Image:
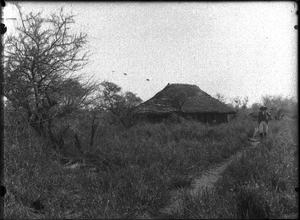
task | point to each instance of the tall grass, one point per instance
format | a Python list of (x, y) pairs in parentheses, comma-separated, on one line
[(260, 185), (134, 169)]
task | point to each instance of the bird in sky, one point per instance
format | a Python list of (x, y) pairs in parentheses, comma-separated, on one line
[(125, 74), (147, 79)]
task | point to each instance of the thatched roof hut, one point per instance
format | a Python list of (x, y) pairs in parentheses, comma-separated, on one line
[(184, 100)]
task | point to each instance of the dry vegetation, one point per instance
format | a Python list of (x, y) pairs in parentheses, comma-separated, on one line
[(131, 171), (72, 149), (127, 172), (260, 185)]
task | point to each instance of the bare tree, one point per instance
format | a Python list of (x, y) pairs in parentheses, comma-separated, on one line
[(118, 103), (245, 102), (177, 100), (240, 103), (220, 97), (40, 65)]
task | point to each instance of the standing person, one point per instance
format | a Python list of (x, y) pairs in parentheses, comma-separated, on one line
[(263, 122)]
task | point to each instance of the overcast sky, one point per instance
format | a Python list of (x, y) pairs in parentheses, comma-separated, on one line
[(236, 49)]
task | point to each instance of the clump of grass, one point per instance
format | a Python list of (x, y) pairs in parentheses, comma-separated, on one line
[(207, 205), (251, 204)]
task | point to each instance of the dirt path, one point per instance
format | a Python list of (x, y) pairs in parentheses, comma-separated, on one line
[(205, 182)]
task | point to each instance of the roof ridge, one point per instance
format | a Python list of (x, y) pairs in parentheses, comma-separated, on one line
[(182, 84)]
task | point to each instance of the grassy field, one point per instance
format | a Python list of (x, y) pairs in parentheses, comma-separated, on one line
[(132, 171), (260, 185)]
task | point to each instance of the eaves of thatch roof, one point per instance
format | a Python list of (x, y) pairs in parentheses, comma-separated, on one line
[(193, 100)]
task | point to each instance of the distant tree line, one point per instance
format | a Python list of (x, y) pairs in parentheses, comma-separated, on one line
[(277, 105)]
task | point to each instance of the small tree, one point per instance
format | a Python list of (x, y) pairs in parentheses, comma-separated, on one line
[(178, 100), (220, 97), (119, 104), (40, 62), (240, 103), (254, 111)]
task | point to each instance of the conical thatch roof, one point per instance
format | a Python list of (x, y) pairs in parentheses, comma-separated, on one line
[(185, 98)]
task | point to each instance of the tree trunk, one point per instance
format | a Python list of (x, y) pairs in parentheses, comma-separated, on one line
[(78, 143), (94, 128), (53, 141)]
